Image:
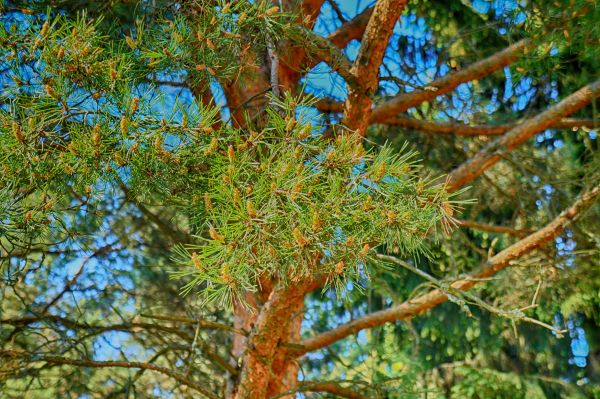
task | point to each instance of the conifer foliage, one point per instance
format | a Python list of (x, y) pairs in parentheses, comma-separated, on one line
[(178, 149)]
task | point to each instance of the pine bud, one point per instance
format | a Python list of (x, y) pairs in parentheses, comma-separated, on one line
[(250, 209), (380, 171), (242, 18), (158, 143), (88, 190), (48, 205), (448, 208), (207, 201), (211, 71), (214, 144), (330, 155), (199, 36), (230, 153), (28, 216), (213, 21), (350, 242), (112, 72), (196, 261), (134, 105), (236, 195), (124, 125), (200, 67), (50, 91), (305, 132), (391, 216), (365, 250), (339, 267), (226, 275), (210, 44), (184, 121), (134, 147), (226, 8), (130, 42), (18, 133), (317, 223), (271, 11), (61, 54), (214, 234), (45, 28), (300, 239), (290, 122)]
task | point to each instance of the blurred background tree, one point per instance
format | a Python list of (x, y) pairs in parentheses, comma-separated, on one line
[(222, 199)]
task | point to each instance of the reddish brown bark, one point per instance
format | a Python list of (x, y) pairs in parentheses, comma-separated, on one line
[(266, 368), (357, 107), (427, 301)]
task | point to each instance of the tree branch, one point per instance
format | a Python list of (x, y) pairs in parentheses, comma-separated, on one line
[(492, 153), (461, 129), (427, 301), (351, 30), (119, 364), (445, 84), (494, 229), (324, 386), (357, 107)]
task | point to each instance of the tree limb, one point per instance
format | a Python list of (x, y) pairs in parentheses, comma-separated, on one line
[(492, 153), (427, 301), (494, 229), (120, 364), (445, 84), (357, 107), (461, 129)]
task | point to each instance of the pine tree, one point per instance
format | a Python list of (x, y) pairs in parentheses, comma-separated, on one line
[(170, 174)]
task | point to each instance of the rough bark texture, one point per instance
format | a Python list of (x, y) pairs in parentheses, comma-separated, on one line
[(357, 107)]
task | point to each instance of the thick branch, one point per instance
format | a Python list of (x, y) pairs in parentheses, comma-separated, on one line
[(132, 365), (357, 107), (461, 129), (326, 386), (492, 153), (427, 301), (493, 229), (351, 30), (445, 84)]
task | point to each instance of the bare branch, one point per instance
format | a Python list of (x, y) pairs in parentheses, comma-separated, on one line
[(324, 386), (351, 30), (492, 153), (461, 129), (494, 229), (445, 84), (55, 360), (427, 301)]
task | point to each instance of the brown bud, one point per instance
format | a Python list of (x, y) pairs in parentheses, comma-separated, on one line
[(214, 234), (207, 201), (196, 261), (250, 209), (134, 105), (300, 239), (339, 267), (45, 28), (271, 11)]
